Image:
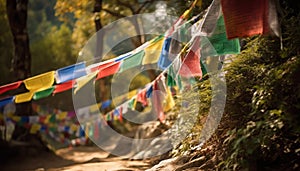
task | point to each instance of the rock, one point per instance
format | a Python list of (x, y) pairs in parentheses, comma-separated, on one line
[(150, 140)]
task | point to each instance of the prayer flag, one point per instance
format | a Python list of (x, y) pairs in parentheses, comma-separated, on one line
[(6, 101), (220, 42), (64, 86), (35, 128), (40, 82), (10, 86), (169, 101), (191, 63), (70, 72), (105, 104), (99, 66), (211, 17), (141, 97), (82, 81), (164, 60), (42, 94), (109, 70), (62, 115), (153, 51), (24, 97), (245, 18), (159, 91), (132, 61)]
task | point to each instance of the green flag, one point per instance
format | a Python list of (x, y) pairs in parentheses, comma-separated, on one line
[(132, 61), (217, 44), (42, 94)]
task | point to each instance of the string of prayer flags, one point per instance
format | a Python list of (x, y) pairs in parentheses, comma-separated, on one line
[(152, 52), (64, 86), (44, 93), (132, 61), (70, 72), (191, 64), (109, 70), (248, 18), (82, 81), (10, 86), (6, 101)]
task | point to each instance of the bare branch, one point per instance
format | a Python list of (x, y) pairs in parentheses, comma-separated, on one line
[(126, 5), (114, 13), (143, 6)]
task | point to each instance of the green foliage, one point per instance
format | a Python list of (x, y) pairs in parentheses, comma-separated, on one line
[(201, 90), (261, 127), (53, 51), (263, 103)]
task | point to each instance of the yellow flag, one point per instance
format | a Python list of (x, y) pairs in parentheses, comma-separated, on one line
[(87, 129), (84, 80), (132, 93), (24, 97), (118, 100), (169, 101), (95, 107), (61, 115), (186, 13), (152, 52), (74, 127), (16, 118), (35, 128), (47, 119), (40, 82)]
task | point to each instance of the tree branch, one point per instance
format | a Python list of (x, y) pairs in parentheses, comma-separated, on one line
[(114, 13), (126, 5), (143, 6)]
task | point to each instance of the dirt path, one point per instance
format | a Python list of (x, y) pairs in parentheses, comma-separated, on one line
[(74, 159)]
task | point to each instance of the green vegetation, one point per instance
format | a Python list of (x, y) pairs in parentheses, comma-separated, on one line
[(260, 129)]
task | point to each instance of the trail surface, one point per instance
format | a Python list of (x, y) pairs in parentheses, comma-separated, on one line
[(74, 159)]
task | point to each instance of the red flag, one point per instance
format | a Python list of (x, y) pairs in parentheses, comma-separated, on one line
[(121, 114), (100, 66), (158, 95), (64, 86), (10, 86), (191, 63), (245, 18), (109, 70), (141, 97)]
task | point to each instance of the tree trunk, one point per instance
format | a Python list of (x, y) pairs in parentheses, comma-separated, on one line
[(17, 18), (21, 62), (99, 45)]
